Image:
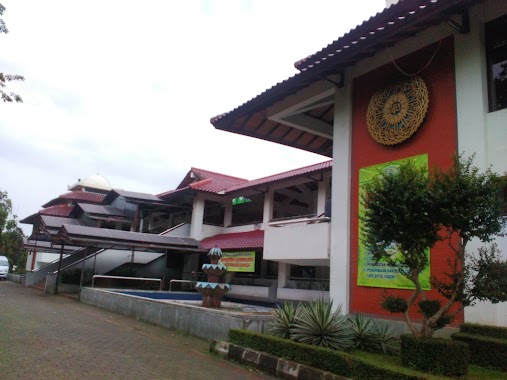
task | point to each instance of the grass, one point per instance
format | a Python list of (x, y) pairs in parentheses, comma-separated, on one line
[(474, 372)]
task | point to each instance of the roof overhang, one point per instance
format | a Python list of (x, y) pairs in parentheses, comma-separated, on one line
[(116, 239), (290, 125)]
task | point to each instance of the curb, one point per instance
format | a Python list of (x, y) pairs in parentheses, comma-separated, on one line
[(275, 366)]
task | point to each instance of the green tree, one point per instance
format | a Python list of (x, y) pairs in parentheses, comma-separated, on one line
[(11, 235), (7, 96), (412, 211)]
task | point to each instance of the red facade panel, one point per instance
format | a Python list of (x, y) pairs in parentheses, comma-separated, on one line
[(437, 137)]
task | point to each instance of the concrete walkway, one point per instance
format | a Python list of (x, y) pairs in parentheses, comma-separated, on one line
[(53, 337)]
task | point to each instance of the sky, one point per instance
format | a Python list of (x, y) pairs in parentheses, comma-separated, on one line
[(126, 88)]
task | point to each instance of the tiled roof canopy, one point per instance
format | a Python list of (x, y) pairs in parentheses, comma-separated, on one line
[(238, 240), (396, 23), (78, 196)]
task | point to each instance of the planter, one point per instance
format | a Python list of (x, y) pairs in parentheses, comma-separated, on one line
[(254, 293)]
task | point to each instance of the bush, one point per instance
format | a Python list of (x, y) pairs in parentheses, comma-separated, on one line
[(485, 330), (316, 324), (337, 362), (285, 316), (373, 336), (485, 351), (434, 355)]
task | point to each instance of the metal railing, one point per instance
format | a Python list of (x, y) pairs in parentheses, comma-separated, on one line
[(181, 281), (127, 278)]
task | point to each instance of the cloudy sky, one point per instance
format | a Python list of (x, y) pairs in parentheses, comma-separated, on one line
[(126, 88)]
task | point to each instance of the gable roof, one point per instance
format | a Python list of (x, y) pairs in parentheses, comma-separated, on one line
[(393, 24), (205, 180), (238, 240), (222, 184)]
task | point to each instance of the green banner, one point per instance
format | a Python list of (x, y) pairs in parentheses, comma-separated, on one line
[(382, 275), (239, 261)]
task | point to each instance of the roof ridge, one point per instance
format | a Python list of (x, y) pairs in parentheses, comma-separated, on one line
[(221, 174)]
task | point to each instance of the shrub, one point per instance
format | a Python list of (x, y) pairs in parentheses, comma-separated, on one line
[(438, 356), (284, 320), (485, 330), (485, 351), (373, 336), (394, 304), (316, 324), (337, 362)]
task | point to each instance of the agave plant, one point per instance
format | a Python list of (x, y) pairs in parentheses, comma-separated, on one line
[(284, 319), (387, 339), (318, 325), (364, 330)]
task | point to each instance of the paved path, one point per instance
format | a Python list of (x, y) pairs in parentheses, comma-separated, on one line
[(53, 337)]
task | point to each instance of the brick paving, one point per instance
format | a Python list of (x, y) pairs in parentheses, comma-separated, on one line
[(54, 337)]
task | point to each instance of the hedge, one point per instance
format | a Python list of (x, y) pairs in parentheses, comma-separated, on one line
[(485, 330), (485, 351), (337, 362), (435, 355)]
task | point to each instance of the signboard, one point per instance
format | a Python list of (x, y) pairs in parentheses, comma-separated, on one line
[(382, 275), (239, 261)]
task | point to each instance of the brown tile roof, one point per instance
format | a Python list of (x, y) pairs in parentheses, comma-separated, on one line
[(393, 24), (238, 240), (57, 210), (79, 196)]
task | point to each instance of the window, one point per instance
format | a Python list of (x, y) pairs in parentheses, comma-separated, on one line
[(496, 54)]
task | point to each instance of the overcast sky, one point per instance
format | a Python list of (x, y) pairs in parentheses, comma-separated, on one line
[(126, 89)]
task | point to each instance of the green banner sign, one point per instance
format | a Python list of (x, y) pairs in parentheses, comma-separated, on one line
[(239, 261), (380, 274)]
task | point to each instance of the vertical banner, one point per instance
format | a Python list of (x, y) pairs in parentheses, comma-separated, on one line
[(380, 274), (239, 261)]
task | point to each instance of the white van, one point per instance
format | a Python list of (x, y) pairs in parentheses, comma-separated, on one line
[(4, 267)]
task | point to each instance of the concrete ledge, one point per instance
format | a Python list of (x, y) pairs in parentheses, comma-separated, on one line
[(19, 278), (284, 369), (194, 320)]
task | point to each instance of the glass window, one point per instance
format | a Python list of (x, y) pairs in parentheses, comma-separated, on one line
[(496, 51)]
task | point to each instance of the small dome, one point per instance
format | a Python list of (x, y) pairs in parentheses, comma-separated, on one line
[(95, 181)]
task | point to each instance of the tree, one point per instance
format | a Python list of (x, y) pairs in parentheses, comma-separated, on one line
[(7, 96), (11, 236), (412, 211)]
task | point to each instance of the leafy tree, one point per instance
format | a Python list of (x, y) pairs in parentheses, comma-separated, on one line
[(7, 96), (11, 235), (412, 211)]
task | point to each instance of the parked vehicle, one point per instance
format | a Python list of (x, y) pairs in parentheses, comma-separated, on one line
[(4, 267)]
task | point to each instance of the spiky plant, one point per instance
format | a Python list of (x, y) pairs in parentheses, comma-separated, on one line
[(285, 315), (318, 325), (387, 339), (364, 330)]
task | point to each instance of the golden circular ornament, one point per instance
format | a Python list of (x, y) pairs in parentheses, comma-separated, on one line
[(395, 113)]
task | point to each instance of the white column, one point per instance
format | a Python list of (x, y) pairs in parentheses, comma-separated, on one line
[(283, 274), (340, 207), (267, 214), (322, 195), (228, 213), (197, 217)]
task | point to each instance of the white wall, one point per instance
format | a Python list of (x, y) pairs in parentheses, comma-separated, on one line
[(298, 243), (480, 131)]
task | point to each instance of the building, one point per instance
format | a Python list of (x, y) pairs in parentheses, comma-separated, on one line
[(423, 78), (274, 232)]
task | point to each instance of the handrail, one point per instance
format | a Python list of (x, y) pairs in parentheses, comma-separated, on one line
[(126, 278), (307, 221)]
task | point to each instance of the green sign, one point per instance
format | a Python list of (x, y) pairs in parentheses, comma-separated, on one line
[(382, 275), (240, 200), (239, 261)]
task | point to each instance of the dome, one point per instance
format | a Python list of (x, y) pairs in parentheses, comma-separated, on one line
[(95, 181)]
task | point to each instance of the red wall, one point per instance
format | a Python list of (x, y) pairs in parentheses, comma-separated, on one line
[(437, 137)]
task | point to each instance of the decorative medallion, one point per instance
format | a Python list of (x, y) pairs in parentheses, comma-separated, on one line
[(395, 113)]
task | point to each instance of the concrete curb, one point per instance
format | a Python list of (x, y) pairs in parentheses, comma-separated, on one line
[(275, 366)]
